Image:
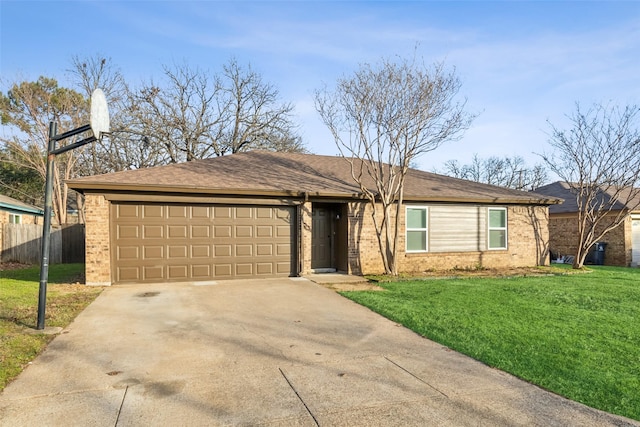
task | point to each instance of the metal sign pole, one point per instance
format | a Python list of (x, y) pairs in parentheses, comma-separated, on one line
[(46, 227)]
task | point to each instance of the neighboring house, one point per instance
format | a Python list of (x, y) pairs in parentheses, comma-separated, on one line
[(263, 214), (14, 211), (623, 243)]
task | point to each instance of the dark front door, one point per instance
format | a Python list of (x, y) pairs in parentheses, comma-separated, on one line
[(321, 237)]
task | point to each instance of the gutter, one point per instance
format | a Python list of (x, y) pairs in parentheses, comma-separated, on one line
[(21, 210)]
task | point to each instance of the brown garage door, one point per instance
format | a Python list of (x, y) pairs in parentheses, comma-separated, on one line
[(175, 242)]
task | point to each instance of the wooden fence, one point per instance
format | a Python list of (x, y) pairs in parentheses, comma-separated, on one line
[(23, 243)]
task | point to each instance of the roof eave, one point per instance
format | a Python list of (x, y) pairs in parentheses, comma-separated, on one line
[(21, 209), (191, 189), (486, 200)]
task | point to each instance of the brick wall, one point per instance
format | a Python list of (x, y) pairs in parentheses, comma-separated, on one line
[(98, 256), (305, 236), (563, 240), (528, 245)]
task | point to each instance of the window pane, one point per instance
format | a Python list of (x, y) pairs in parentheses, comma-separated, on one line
[(497, 239), (416, 240), (497, 218), (416, 218)]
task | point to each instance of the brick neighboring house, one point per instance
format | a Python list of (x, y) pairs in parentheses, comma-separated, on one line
[(14, 211), (263, 214), (623, 242)]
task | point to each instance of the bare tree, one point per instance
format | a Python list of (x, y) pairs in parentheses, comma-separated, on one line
[(384, 116), (27, 108), (127, 147), (510, 172), (253, 116), (599, 158), (194, 115)]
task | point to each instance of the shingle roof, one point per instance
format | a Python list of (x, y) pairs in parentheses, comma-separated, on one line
[(562, 190), (261, 172), (11, 204)]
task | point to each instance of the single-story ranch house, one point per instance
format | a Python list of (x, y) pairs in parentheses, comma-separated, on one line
[(623, 242), (264, 214)]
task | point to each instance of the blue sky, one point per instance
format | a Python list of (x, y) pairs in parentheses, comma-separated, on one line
[(521, 63)]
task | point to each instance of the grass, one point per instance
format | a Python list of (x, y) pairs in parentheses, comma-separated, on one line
[(19, 308), (576, 335)]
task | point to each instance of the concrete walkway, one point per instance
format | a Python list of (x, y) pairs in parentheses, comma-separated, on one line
[(284, 352)]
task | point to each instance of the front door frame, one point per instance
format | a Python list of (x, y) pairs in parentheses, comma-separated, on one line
[(336, 224)]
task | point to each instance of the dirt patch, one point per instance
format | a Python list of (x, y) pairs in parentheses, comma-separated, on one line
[(484, 272), (6, 266), (372, 284)]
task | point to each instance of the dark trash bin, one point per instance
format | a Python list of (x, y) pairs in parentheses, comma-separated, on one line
[(600, 249)]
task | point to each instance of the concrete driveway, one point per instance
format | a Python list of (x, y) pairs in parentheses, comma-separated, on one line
[(284, 352)]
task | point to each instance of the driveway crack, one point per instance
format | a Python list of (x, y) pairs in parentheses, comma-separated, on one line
[(416, 377), (124, 396), (299, 397)]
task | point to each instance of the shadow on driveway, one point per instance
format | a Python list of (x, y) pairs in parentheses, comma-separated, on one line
[(277, 352)]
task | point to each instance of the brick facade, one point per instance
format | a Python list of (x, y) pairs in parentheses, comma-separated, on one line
[(563, 231), (527, 242), (98, 248), (528, 246)]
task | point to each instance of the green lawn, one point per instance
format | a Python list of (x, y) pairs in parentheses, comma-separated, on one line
[(576, 335), (19, 308)]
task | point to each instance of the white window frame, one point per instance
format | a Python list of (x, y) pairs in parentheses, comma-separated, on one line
[(15, 218), (505, 229), (425, 229)]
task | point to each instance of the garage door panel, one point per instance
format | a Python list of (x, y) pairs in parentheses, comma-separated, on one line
[(177, 231), (152, 211), (152, 231), (263, 231), (264, 250), (244, 250), (177, 242), (176, 272), (222, 212), (244, 231), (283, 249), (200, 212), (264, 213), (221, 231), (153, 252), (128, 231), (178, 211), (128, 211), (153, 272), (283, 267), (244, 212), (264, 268), (283, 231), (200, 251), (244, 269), (200, 232), (223, 270), (126, 274), (128, 253), (201, 271), (179, 251), (222, 251)]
